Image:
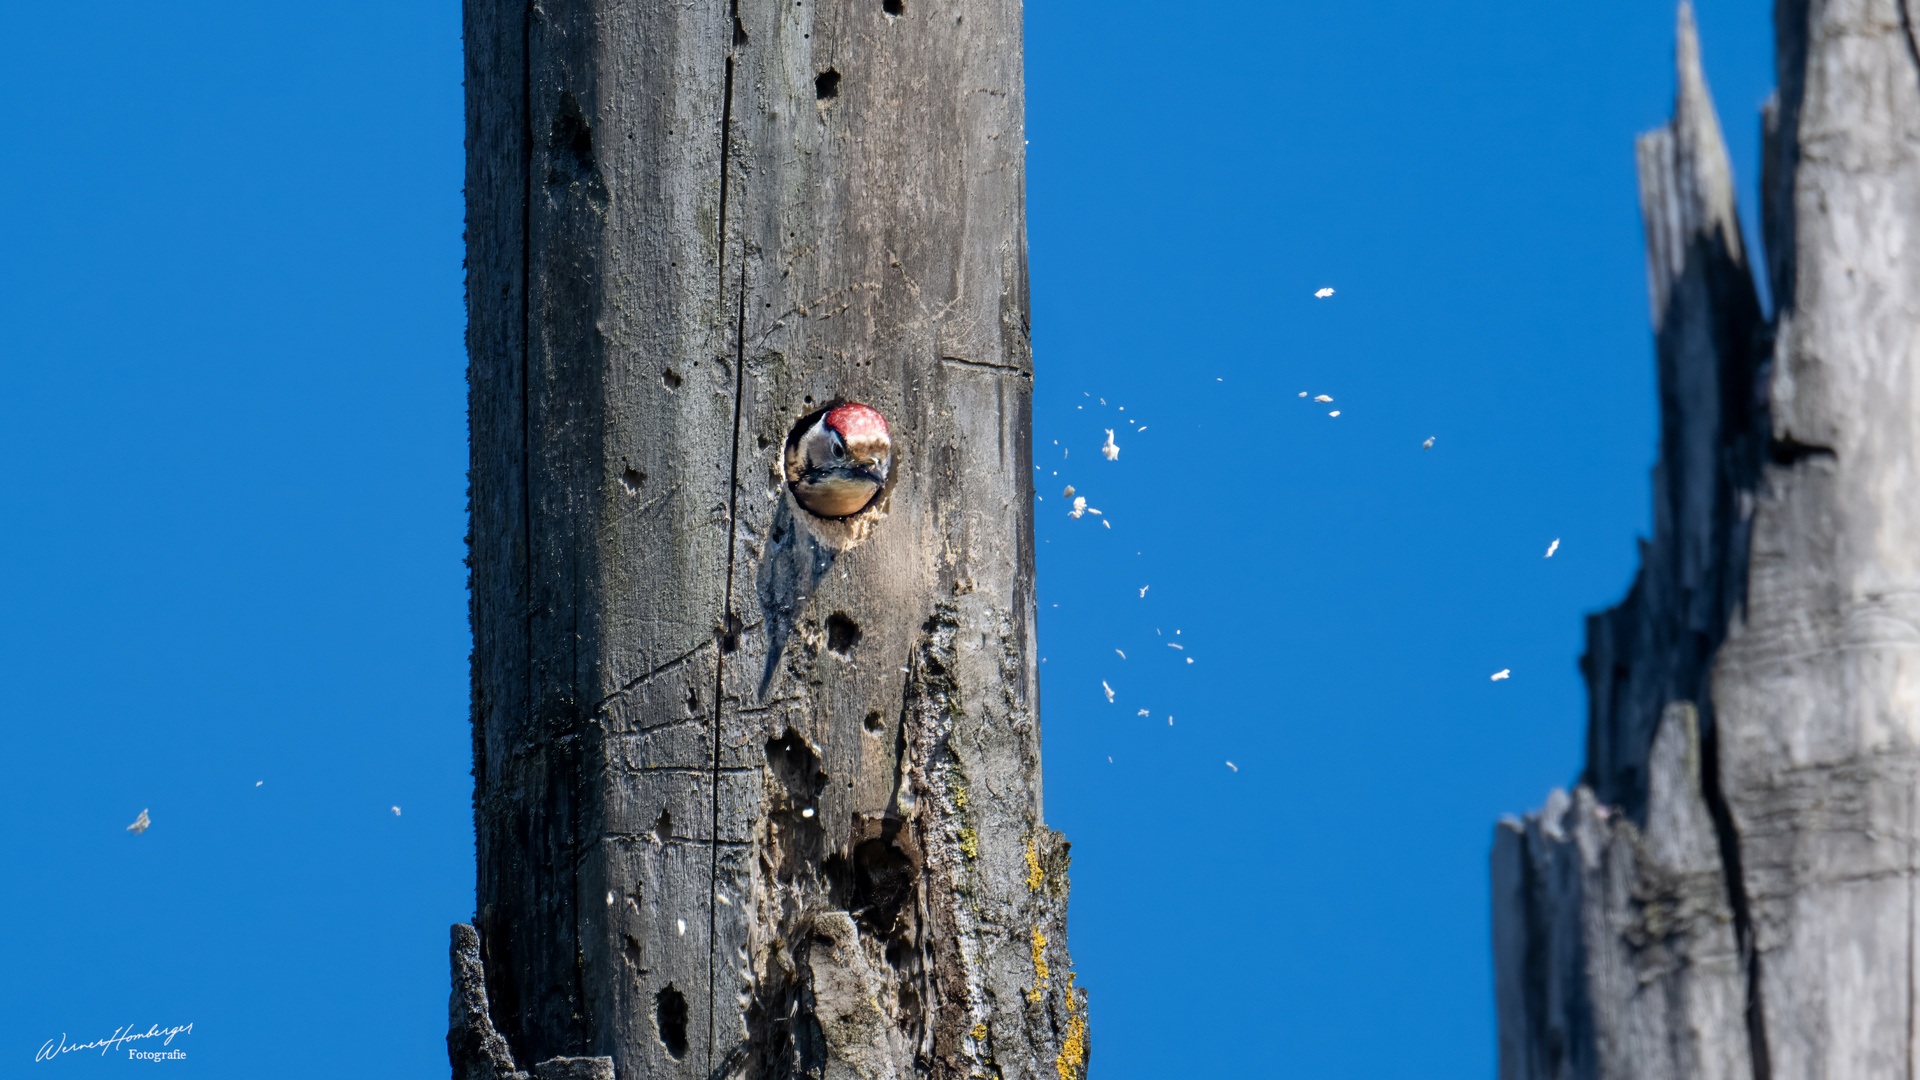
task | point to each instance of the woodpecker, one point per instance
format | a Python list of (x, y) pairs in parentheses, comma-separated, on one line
[(839, 466)]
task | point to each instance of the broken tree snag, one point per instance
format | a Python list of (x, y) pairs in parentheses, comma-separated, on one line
[(756, 793), (1781, 592)]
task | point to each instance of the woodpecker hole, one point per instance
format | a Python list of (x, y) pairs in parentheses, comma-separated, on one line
[(693, 701), (842, 635), (670, 1012), (570, 144), (663, 828), (877, 883), (875, 723), (671, 379), (893, 7), (796, 766), (632, 479), (730, 637), (825, 87)]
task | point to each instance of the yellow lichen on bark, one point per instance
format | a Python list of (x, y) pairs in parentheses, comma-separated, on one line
[(1072, 1061), (1034, 874)]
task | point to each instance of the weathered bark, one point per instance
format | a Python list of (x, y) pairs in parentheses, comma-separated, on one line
[(1772, 932), (746, 804)]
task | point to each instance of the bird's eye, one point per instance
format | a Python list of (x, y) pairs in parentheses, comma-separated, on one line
[(838, 450)]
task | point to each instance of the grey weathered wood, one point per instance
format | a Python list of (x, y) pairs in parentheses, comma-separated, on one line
[(1818, 688), (723, 771), (1781, 591), (1623, 961)]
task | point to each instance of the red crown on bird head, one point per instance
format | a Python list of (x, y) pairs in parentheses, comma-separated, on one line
[(857, 423)]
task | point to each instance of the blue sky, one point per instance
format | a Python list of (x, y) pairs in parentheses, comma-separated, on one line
[(232, 454)]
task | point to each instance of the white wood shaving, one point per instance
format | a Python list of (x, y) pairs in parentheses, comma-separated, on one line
[(1503, 673)]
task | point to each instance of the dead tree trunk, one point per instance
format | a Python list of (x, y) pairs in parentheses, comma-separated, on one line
[(1730, 890), (756, 794)]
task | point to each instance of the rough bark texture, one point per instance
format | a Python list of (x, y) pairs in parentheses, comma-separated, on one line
[(747, 805), (1749, 909)]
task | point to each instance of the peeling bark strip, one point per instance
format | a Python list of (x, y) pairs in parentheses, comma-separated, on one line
[(747, 804), (1734, 895)]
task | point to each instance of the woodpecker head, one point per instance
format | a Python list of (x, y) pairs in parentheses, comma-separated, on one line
[(838, 465)]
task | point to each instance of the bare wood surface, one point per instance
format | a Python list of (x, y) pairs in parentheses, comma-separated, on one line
[(1764, 926), (748, 804), (1818, 688)]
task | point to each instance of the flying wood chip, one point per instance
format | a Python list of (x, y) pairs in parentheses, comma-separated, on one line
[(1103, 686), (1322, 398), (140, 824), (1503, 673), (1323, 294), (1111, 451), (1428, 445)]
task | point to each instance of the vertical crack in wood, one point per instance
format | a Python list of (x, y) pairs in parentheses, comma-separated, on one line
[(1913, 46), (733, 527), (1726, 835)]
